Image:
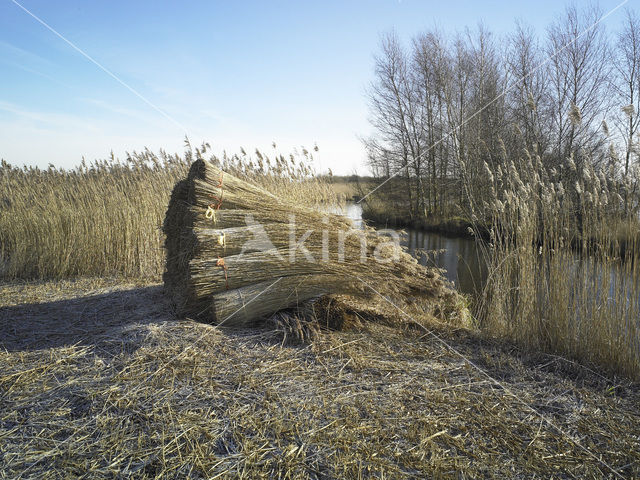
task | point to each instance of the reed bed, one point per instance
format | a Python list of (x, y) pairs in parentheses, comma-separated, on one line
[(105, 218), (564, 262), (98, 219)]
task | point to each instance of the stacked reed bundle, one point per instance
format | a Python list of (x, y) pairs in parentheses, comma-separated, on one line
[(230, 257)]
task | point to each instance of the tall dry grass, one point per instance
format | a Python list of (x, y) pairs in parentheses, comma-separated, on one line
[(564, 262), (104, 218)]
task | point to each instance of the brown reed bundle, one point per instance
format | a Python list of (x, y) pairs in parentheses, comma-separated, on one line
[(230, 257)]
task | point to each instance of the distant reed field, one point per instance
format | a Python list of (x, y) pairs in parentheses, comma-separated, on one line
[(105, 218)]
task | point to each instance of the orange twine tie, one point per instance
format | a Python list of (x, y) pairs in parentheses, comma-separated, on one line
[(211, 209), (221, 263)]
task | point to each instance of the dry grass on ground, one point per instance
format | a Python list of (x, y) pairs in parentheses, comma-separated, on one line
[(98, 379)]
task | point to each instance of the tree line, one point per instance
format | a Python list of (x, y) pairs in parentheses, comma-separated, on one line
[(447, 108)]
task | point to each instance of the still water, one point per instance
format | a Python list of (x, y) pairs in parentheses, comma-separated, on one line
[(459, 258)]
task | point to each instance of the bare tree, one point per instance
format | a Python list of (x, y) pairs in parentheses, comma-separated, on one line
[(627, 88), (579, 70), (392, 111), (446, 106), (528, 88), (431, 64)]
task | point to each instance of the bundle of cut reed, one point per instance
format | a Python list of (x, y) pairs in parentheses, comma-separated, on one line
[(236, 253)]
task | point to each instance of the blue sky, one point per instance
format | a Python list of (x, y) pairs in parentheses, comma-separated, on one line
[(231, 73)]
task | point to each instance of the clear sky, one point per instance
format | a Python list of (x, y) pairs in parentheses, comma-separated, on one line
[(231, 73)]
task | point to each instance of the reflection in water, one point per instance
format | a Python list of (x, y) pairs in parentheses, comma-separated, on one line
[(458, 257), (352, 211)]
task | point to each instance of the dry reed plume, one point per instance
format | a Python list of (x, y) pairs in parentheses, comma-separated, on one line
[(105, 218), (564, 262)]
